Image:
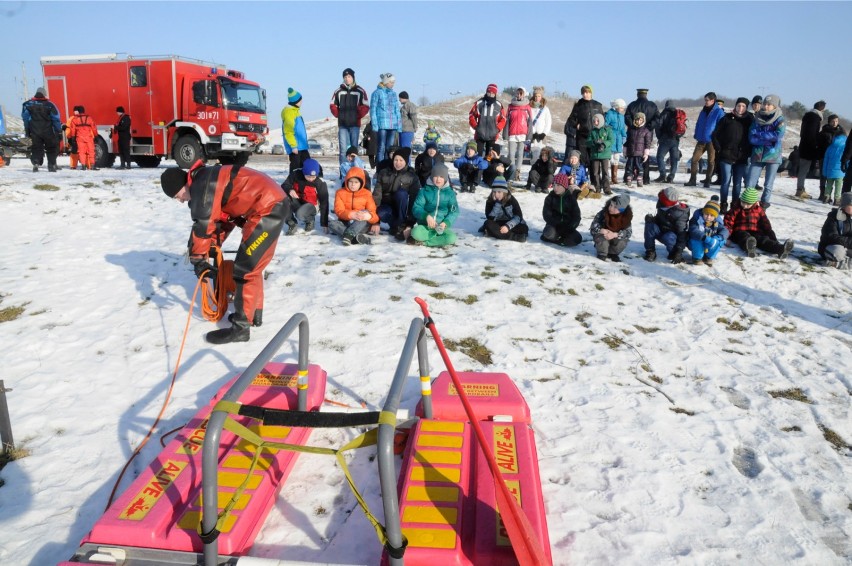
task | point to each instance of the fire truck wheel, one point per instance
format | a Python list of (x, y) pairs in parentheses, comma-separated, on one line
[(103, 158), (187, 151)]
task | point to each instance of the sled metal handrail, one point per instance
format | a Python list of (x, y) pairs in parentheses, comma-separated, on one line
[(210, 450), (385, 446)]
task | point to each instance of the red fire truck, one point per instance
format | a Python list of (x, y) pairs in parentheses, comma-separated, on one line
[(180, 108)]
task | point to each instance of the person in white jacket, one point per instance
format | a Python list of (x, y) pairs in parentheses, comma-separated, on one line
[(541, 122)]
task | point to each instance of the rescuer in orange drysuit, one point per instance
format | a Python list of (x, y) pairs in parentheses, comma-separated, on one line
[(84, 131), (220, 198)]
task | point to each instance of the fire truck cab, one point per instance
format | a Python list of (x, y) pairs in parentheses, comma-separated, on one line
[(181, 109)]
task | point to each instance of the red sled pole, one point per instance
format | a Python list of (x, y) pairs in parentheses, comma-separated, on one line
[(527, 548)]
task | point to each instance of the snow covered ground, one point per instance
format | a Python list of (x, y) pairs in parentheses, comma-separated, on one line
[(684, 415)]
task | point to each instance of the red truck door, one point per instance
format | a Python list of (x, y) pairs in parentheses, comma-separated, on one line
[(139, 92)]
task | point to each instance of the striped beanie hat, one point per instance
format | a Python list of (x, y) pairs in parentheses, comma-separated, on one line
[(712, 208), (293, 96), (749, 195)]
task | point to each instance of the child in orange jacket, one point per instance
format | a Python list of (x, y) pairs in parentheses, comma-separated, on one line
[(355, 210)]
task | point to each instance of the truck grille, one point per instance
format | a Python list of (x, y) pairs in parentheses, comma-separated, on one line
[(246, 127)]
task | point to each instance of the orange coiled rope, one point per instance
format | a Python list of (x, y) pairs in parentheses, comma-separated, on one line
[(215, 297)]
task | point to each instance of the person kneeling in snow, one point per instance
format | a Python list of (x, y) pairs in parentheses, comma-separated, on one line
[(669, 226), (355, 210), (835, 242), (504, 219), (435, 210), (707, 233), (306, 192), (220, 198), (750, 227), (612, 228)]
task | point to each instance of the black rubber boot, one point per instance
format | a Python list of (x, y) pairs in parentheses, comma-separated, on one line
[(238, 332)]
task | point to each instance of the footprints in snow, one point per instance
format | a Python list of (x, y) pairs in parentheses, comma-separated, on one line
[(745, 461), (737, 399)]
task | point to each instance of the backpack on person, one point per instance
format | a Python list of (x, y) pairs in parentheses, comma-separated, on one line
[(681, 122)]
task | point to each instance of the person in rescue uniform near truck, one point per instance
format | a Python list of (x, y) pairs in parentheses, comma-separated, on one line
[(84, 131), (122, 130), (220, 198)]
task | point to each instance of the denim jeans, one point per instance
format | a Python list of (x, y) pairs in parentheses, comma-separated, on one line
[(516, 155), (394, 214), (728, 172), (668, 146), (346, 138), (348, 229), (653, 232), (385, 140), (754, 175)]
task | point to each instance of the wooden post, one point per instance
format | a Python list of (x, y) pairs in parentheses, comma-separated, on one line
[(5, 424)]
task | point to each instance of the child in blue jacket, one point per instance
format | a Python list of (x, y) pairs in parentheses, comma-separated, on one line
[(578, 176), (833, 170), (470, 166), (707, 233)]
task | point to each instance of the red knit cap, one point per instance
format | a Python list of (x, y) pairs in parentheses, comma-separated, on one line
[(492, 89), (668, 197)]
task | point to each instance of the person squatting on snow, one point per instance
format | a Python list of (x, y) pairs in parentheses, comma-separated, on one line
[(669, 226), (561, 214), (42, 126), (487, 119), (497, 167), (612, 228), (541, 172), (470, 166), (750, 228), (355, 210), (835, 242), (221, 198), (435, 210), (707, 233), (578, 177), (394, 192), (504, 218), (600, 153), (306, 192), (637, 148)]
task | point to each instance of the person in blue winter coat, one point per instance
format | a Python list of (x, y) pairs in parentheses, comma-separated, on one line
[(385, 115), (614, 118), (704, 128), (670, 226), (578, 176), (707, 233), (470, 166), (833, 169)]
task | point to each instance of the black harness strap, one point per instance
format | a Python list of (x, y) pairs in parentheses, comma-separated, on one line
[(280, 417)]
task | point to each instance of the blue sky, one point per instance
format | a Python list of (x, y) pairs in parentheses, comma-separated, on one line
[(434, 48)]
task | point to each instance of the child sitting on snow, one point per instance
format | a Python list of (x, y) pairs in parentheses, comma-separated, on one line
[(435, 210), (612, 228), (561, 214), (503, 216), (707, 233), (669, 226), (750, 228), (578, 176), (355, 210), (541, 172)]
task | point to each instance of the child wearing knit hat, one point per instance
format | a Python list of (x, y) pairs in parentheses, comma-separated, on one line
[(470, 166), (504, 219), (561, 214), (293, 129), (578, 176), (670, 226), (750, 228), (612, 228), (707, 233), (835, 242)]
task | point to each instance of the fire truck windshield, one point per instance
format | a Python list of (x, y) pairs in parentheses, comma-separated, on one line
[(242, 96)]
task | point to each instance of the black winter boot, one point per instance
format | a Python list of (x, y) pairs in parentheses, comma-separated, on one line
[(238, 332)]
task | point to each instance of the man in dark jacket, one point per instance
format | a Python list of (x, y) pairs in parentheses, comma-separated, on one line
[(844, 162), (580, 123), (122, 129), (349, 104), (730, 140), (42, 126), (394, 191), (668, 143), (221, 198), (652, 121), (670, 226), (808, 146)]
